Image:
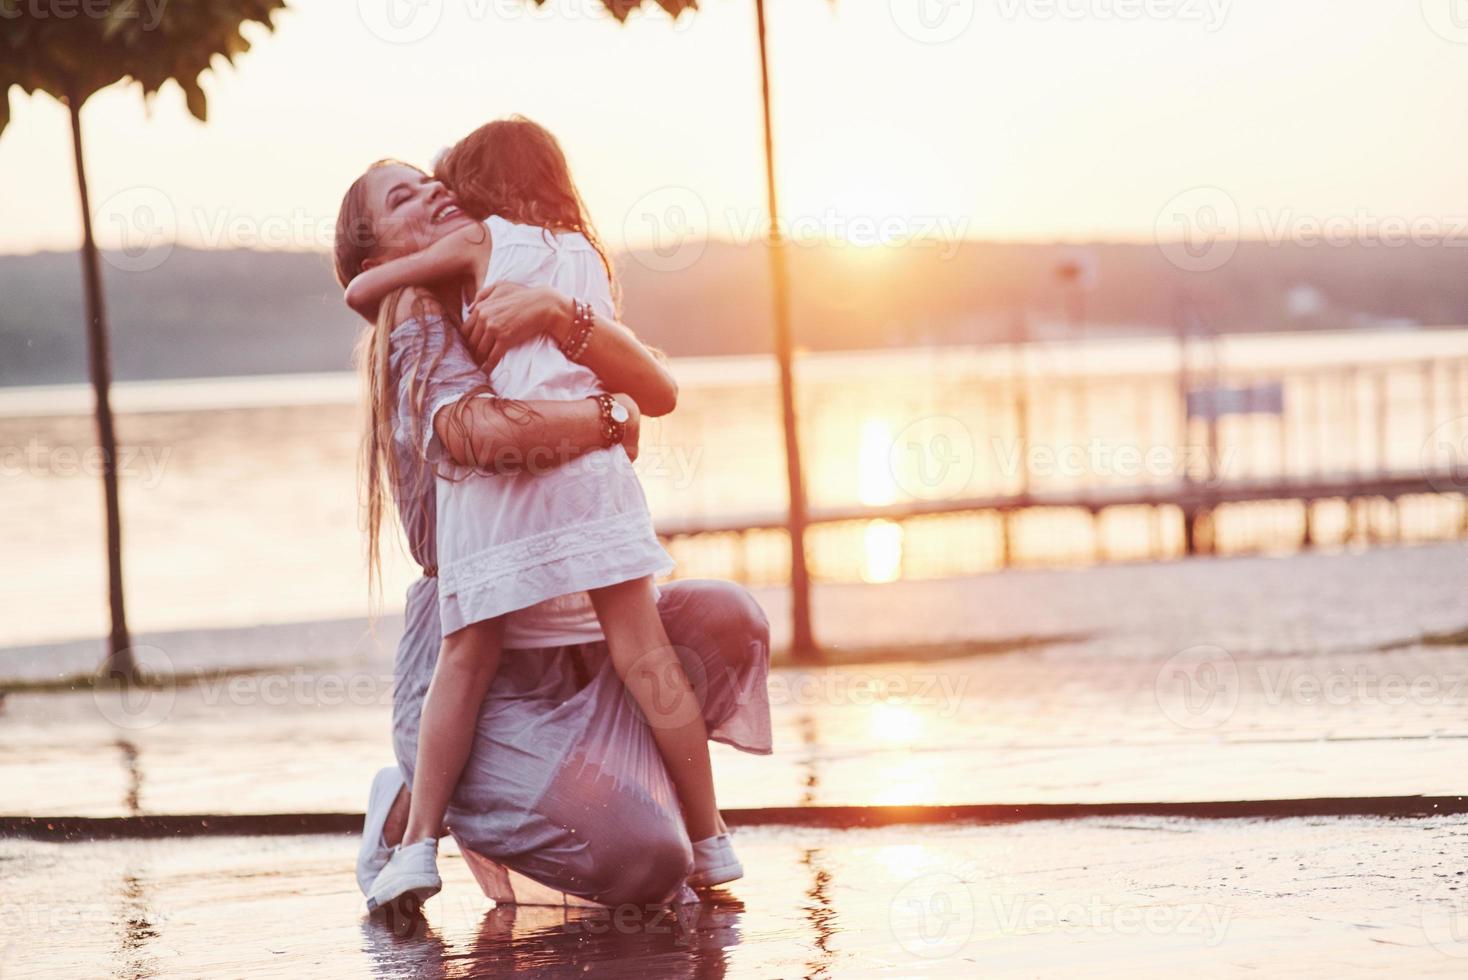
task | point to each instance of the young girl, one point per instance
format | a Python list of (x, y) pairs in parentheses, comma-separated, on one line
[(551, 554)]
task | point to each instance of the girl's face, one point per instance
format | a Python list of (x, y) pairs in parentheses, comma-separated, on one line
[(410, 211)]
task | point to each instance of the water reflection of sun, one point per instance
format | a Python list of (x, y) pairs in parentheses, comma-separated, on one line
[(895, 724), (882, 540)]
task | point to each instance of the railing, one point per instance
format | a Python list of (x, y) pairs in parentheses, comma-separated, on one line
[(1331, 455)]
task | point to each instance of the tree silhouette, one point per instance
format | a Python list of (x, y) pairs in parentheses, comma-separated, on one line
[(70, 51)]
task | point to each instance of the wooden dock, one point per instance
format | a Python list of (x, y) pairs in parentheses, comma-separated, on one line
[(1187, 497), (1369, 434)]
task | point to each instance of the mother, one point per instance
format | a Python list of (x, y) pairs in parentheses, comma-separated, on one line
[(564, 783)]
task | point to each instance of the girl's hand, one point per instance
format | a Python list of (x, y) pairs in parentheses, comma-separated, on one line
[(633, 429), (506, 314)]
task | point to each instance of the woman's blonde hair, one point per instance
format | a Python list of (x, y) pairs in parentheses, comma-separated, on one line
[(378, 473)]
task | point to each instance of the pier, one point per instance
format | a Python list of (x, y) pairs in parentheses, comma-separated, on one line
[(1344, 447)]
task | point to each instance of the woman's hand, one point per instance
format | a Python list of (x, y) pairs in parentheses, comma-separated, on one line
[(632, 431), (506, 314)]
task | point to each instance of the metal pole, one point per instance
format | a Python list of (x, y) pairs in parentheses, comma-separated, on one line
[(802, 639)]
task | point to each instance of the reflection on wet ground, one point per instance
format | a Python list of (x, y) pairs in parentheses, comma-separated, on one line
[(1150, 897), (1062, 726), (690, 940), (1240, 679)]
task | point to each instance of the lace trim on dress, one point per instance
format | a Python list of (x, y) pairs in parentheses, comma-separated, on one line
[(621, 564), (516, 559)]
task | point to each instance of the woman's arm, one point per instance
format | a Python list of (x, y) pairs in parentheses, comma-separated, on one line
[(476, 432), (625, 363), (444, 407), (505, 314), (450, 256)]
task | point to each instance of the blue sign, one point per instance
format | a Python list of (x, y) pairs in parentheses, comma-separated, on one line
[(1215, 403)]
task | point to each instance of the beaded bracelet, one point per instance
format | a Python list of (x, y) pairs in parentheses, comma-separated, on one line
[(583, 321), (612, 431)]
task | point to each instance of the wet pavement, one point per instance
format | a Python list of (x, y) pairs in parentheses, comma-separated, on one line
[(1140, 897), (1323, 676), (1056, 727), (1244, 679)]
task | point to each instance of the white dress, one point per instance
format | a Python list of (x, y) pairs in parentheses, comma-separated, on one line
[(527, 545)]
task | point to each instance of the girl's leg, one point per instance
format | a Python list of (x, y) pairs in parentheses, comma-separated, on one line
[(467, 663), (397, 819), (650, 669)]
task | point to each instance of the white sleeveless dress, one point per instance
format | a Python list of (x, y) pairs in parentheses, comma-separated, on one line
[(527, 546)]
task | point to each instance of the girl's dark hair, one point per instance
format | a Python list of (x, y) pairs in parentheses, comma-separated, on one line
[(515, 168)]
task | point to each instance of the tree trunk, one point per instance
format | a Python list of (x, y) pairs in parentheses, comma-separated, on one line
[(802, 640), (119, 663)]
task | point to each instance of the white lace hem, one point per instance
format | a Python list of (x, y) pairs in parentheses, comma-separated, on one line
[(555, 563)]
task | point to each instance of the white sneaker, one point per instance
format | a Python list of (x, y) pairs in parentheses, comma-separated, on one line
[(374, 852), (714, 862), (411, 870)]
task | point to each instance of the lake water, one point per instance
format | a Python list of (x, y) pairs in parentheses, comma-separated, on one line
[(240, 505)]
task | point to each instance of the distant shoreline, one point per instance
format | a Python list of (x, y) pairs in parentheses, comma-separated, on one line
[(202, 313), (1111, 356)]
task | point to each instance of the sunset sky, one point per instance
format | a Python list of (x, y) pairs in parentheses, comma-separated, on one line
[(1009, 119)]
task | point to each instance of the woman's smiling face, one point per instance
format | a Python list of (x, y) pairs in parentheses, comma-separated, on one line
[(410, 210)]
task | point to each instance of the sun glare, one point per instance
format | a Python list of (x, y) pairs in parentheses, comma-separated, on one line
[(875, 485), (881, 540), (895, 724), (882, 544)]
